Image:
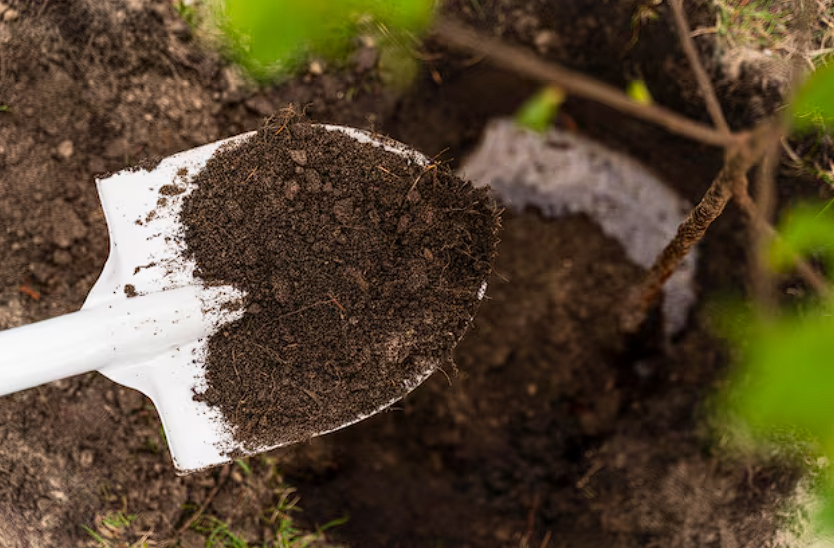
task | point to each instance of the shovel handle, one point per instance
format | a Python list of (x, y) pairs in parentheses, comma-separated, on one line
[(121, 332)]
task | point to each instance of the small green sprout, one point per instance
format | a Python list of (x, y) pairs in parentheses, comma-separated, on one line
[(538, 112), (639, 92), (118, 520), (280, 527), (244, 465), (111, 529)]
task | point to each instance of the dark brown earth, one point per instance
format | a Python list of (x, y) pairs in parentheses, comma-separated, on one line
[(362, 270), (554, 429)]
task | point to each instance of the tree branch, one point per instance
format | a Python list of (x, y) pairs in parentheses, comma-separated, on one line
[(743, 150), (805, 270), (523, 62), (738, 161), (704, 82)]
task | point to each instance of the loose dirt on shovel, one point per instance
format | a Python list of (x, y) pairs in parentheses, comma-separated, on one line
[(362, 271)]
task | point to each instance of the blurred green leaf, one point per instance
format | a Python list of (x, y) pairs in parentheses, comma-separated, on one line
[(814, 103), (538, 112), (787, 381), (825, 515), (808, 229), (397, 66), (271, 34)]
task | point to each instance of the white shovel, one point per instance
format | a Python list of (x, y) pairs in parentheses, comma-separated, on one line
[(156, 341)]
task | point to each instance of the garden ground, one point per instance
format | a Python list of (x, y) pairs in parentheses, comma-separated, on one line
[(554, 430)]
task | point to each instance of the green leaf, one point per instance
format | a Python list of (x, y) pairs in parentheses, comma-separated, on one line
[(272, 34), (785, 382), (806, 229), (825, 515), (788, 378), (814, 103), (397, 66), (540, 110)]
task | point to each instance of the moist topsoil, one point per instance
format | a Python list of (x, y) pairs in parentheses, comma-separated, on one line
[(362, 269)]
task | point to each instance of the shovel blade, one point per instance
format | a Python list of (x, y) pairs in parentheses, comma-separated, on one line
[(148, 257)]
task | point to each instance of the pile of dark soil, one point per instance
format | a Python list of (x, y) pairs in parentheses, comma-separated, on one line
[(362, 269)]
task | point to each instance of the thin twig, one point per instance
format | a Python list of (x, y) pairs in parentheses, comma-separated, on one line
[(738, 161), (523, 62), (765, 204), (704, 82), (805, 270), (690, 232), (761, 211)]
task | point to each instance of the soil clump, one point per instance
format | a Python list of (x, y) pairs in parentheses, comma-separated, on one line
[(362, 269)]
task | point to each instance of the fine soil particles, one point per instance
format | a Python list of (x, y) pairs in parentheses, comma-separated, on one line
[(362, 270)]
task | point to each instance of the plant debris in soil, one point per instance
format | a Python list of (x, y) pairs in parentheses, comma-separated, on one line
[(362, 270)]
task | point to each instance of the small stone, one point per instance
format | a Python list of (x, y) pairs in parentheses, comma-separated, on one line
[(292, 190), (316, 68), (299, 157), (302, 130), (10, 15), (260, 105), (130, 400), (502, 534), (66, 149), (545, 40), (413, 196), (44, 504), (364, 60), (403, 223), (343, 210), (58, 495), (66, 226), (313, 180), (86, 458), (417, 278), (233, 84), (61, 257)]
